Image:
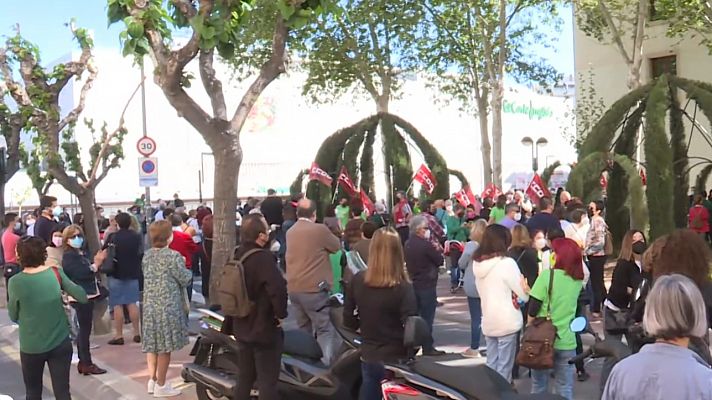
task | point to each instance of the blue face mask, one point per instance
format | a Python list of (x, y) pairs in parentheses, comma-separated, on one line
[(76, 242), (57, 211)]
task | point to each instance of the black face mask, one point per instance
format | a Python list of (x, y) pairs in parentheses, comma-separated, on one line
[(590, 213), (639, 247)]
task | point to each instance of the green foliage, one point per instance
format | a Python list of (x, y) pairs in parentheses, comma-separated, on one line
[(396, 156), (637, 205), (660, 188), (366, 163), (589, 108), (590, 18), (585, 176), (349, 160), (684, 17), (297, 186), (549, 171), (681, 176), (460, 176), (701, 180)]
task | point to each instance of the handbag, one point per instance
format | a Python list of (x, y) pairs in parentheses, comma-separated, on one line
[(616, 322), (10, 270), (108, 266), (537, 348)]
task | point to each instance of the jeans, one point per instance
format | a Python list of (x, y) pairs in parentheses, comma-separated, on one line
[(261, 363), (85, 314), (596, 265), (475, 305), (313, 321), (427, 301), (454, 267), (403, 232), (198, 261), (372, 374), (563, 376), (501, 352), (206, 267), (59, 360), (190, 289)]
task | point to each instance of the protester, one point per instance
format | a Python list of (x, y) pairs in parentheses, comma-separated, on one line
[(381, 217), (378, 302), (199, 259), (699, 217), (457, 232), (124, 282), (49, 210), (522, 252), (402, 213), (511, 217), (423, 261), (36, 306), (55, 249), (666, 369), (342, 212), (112, 228), (102, 221), (272, 208), (177, 202), (165, 307), (9, 239), (352, 233), (437, 233), (183, 243), (477, 230), (544, 219), (498, 211), (486, 209), (80, 269), (577, 228), (595, 252), (559, 302), (309, 276), (497, 278), (206, 225), (259, 335), (363, 246), (331, 220), (627, 276)]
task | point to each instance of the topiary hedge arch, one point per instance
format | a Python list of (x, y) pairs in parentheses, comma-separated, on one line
[(611, 145), (353, 147)]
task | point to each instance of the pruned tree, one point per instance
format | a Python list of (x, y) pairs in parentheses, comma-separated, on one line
[(471, 45), (232, 29), (37, 97), (12, 123)]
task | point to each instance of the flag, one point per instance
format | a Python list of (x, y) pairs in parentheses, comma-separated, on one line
[(367, 203), (425, 177), (318, 174), (491, 191), (643, 177), (465, 197), (537, 189), (346, 183), (603, 181)]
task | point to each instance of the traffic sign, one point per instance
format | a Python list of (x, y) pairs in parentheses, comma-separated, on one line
[(146, 146), (148, 171)]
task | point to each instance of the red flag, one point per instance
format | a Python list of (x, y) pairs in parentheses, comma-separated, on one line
[(491, 191), (318, 174), (426, 178), (537, 189), (346, 182), (603, 181), (367, 203), (465, 197), (643, 177)]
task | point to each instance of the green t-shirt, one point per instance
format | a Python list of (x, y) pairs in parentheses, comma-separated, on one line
[(497, 213), (36, 305), (455, 230), (336, 269), (565, 293), (342, 213)]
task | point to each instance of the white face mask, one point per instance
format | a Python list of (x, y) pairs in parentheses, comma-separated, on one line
[(584, 221), (275, 246), (427, 234), (517, 216), (18, 226), (30, 222), (540, 243)]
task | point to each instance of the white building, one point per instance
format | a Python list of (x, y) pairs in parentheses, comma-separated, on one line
[(285, 131)]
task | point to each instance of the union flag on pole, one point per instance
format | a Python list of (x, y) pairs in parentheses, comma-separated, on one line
[(465, 197), (425, 177), (491, 191), (537, 189), (346, 183), (367, 203), (318, 174)]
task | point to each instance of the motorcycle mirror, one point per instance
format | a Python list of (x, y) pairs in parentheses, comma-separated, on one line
[(578, 324)]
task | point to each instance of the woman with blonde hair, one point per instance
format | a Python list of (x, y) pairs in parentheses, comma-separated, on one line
[(378, 301), (477, 229), (524, 254), (165, 314)]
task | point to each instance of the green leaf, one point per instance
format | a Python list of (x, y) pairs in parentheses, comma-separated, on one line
[(135, 29)]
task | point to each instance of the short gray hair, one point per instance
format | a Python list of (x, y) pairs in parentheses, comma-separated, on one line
[(675, 309), (417, 222)]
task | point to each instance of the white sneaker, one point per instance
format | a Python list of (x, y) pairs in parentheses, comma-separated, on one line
[(151, 386), (471, 353), (165, 391)]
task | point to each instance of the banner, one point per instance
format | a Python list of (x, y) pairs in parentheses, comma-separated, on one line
[(346, 183), (318, 174), (491, 191), (367, 203), (425, 177), (465, 197), (537, 189), (603, 181)]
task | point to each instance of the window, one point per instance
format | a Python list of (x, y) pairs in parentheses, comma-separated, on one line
[(663, 65)]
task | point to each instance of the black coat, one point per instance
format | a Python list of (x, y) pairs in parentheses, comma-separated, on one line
[(271, 208), (129, 253), (77, 268), (423, 262), (626, 276)]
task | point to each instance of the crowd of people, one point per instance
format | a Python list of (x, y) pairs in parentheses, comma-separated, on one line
[(515, 262)]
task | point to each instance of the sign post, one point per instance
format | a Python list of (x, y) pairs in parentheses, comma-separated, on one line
[(148, 171)]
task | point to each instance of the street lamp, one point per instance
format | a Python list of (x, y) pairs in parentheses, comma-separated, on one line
[(541, 142)]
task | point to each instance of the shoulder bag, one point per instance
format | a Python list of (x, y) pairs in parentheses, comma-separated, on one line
[(108, 267), (537, 349)]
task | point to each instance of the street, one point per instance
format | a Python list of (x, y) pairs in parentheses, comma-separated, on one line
[(126, 364)]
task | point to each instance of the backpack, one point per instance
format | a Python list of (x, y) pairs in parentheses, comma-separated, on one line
[(232, 290)]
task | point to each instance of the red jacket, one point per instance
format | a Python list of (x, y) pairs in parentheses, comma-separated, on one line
[(699, 219), (184, 244)]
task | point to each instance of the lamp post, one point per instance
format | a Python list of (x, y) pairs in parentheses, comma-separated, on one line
[(541, 142)]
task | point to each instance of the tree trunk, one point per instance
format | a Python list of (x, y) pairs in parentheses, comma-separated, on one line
[(496, 109), (227, 169), (91, 227), (382, 104), (485, 146), (2, 197)]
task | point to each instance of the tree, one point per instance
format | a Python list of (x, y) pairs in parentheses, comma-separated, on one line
[(614, 22), (12, 123), (471, 45), (687, 16), (37, 97), (228, 28)]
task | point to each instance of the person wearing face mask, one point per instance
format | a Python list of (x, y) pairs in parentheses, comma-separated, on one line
[(183, 243), (578, 227), (80, 269), (511, 216), (30, 220), (55, 250), (457, 234), (423, 261), (627, 276), (46, 222), (10, 237), (259, 335), (595, 252)]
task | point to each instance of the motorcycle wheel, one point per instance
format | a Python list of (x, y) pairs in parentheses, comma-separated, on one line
[(206, 394)]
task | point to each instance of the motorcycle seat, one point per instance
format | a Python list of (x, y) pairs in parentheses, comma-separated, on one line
[(299, 343)]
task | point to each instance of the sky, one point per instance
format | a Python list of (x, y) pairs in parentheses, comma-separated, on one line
[(43, 22)]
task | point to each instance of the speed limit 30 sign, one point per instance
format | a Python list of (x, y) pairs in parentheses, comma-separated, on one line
[(146, 146)]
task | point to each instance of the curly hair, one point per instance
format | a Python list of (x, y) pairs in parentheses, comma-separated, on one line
[(683, 252)]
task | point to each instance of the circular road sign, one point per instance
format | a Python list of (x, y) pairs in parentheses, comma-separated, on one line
[(148, 167), (146, 146)]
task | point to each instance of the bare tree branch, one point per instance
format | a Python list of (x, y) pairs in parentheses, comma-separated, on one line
[(73, 115), (213, 86), (614, 31)]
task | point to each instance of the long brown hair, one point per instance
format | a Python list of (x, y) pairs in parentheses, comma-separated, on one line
[(520, 236), (627, 245), (386, 265), (686, 253)]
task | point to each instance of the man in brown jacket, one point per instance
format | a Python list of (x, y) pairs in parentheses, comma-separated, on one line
[(308, 247)]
